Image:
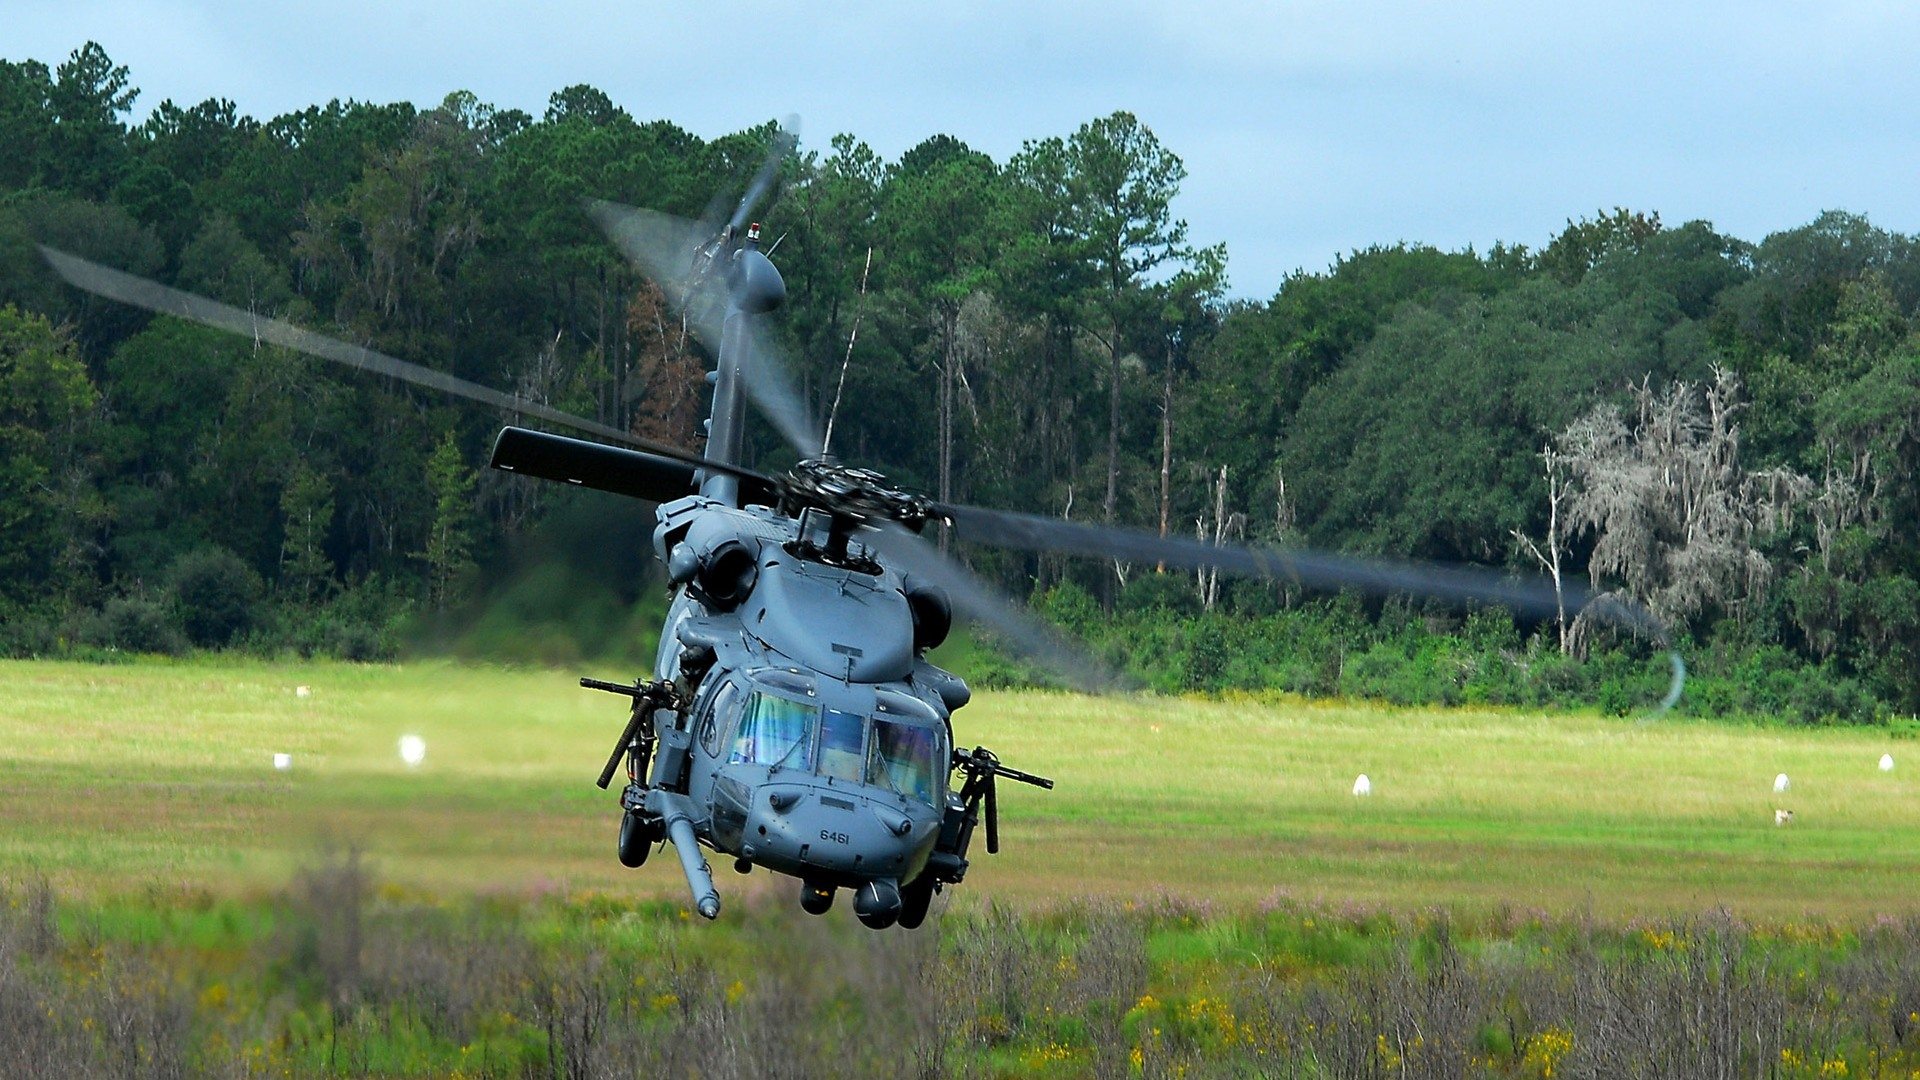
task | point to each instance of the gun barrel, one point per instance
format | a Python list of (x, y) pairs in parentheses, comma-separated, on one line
[(982, 761), (1024, 777), (613, 687)]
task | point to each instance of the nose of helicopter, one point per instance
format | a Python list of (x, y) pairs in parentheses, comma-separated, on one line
[(845, 830)]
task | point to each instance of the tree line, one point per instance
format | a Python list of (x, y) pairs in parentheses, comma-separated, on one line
[(1724, 430)]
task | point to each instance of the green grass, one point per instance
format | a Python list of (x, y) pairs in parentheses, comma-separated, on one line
[(121, 779)]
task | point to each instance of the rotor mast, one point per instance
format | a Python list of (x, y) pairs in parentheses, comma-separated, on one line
[(753, 288)]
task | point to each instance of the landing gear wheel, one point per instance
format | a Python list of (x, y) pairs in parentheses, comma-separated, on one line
[(636, 840), (914, 900)]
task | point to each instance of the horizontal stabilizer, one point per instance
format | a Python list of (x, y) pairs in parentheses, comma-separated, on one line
[(589, 464)]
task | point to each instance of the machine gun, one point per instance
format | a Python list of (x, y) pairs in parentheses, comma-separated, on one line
[(638, 739), (982, 769)]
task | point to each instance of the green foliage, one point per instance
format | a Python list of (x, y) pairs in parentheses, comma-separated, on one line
[(1587, 243), (553, 614), (1455, 404), (46, 505), (306, 511), (364, 622), (137, 624), (1173, 593), (1405, 657), (1039, 333), (87, 152), (217, 594), (449, 550)]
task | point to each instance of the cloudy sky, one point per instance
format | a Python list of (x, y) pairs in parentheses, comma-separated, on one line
[(1308, 128)]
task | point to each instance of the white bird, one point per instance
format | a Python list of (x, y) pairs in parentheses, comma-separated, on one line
[(1781, 783), (303, 691), (1362, 785), (1886, 762), (283, 762), (413, 750), (1783, 817)]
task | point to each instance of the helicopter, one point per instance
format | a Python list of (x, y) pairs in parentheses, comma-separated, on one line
[(793, 720)]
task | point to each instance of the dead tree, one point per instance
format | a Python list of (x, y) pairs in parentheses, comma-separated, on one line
[(1556, 526), (1676, 515), (1216, 529)]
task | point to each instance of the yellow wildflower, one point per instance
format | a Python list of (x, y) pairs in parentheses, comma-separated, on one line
[(1546, 1050)]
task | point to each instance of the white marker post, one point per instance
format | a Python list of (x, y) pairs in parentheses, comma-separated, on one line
[(413, 750)]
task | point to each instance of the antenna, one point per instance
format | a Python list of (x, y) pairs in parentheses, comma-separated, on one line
[(826, 443)]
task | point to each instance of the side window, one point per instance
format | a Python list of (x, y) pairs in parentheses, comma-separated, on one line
[(719, 711)]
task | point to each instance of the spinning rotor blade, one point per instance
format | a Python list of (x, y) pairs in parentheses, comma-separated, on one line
[(1316, 570), (667, 249), (1313, 569), (673, 253), (785, 139), (772, 391), (160, 299), (985, 605), (688, 260)]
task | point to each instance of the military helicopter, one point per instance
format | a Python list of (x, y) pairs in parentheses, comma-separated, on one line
[(793, 720)]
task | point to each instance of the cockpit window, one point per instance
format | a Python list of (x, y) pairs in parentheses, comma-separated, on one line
[(842, 736), (775, 731), (905, 758), (718, 711)]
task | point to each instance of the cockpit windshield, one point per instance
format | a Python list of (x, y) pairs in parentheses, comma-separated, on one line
[(841, 736), (775, 731), (884, 750), (903, 758)]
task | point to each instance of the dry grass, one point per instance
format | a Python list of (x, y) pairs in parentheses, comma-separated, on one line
[(340, 975)]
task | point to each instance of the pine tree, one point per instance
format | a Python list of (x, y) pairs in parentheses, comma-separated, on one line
[(306, 512), (449, 553)]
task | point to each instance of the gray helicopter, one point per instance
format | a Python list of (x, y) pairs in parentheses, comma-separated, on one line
[(793, 720)]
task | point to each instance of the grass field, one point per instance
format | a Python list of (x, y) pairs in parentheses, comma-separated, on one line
[(125, 778), (1522, 896)]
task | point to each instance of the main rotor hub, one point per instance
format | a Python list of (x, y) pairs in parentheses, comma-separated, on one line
[(855, 496)]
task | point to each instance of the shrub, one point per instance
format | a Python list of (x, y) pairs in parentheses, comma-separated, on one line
[(1159, 592), (217, 594), (138, 624), (1070, 606), (24, 634), (1209, 650)]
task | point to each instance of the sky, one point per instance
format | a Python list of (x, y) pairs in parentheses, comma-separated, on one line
[(1308, 129)]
